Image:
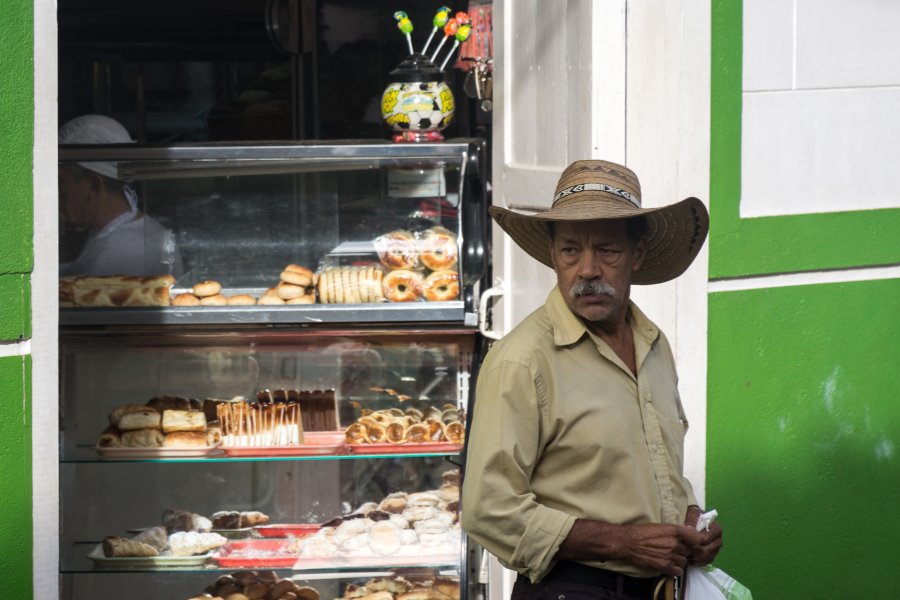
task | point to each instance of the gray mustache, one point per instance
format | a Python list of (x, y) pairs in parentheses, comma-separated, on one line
[(591, 288)]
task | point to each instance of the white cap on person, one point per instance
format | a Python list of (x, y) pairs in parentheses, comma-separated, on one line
[(95, 129)]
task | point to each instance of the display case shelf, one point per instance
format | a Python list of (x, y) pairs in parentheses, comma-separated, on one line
[(313, 315), (88, 455)]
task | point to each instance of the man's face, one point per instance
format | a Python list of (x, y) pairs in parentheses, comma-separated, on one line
[(594, 262), (74, 190)]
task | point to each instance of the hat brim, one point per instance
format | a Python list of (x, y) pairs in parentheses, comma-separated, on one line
[(675, 233)]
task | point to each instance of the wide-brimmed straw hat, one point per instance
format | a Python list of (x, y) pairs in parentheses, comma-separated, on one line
[(592, 190)]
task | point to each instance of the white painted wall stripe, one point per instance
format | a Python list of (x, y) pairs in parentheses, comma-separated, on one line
[(808, 278), (15, 348)]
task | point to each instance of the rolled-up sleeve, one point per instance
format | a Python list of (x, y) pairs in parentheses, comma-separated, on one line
[(499, 509)]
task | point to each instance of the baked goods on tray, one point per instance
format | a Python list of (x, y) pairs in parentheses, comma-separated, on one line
[(115, 291), (415, 585), (402, 426), (257, 584), (163, 422)]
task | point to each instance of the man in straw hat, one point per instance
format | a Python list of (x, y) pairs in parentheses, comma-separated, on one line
[(574, 468)]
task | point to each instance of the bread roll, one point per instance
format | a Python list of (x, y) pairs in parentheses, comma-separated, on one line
[(155, 536), (270, 300), (118, 411), (144, 419), (289, 291), (207, 288), (295, 277), (306, 299), (186, 439), (307, 593), (216, 300), (110, 438), (185, 300), (114, 547), (241, 300), (183, 420), (143, 438)]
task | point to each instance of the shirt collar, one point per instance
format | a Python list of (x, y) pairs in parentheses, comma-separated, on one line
[(568, 329)]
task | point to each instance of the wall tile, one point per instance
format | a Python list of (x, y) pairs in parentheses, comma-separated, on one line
[(15, 298), (822, 151), (847, 44), (768, 45)]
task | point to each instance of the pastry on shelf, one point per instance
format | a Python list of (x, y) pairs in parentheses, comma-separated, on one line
[(115, 291), (171, 422), (257, 585), (397, 426)]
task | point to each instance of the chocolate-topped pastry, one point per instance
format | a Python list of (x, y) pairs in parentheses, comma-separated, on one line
[(226, 519)]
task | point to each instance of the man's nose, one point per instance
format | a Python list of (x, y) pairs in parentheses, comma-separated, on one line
[(589, 265)]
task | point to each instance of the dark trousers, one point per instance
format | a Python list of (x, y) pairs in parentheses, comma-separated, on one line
[(574, 581)]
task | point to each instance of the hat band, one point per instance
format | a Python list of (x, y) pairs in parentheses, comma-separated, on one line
[(597, 187)]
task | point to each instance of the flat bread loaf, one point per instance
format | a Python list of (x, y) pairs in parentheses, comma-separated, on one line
[(143, 438), (116, 290)]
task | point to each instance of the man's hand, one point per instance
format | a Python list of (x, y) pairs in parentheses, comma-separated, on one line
[(652, 546), (710, 544)]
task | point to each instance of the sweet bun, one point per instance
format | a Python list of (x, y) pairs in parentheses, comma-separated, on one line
[(207, 288), (185, 300), (216, 300)]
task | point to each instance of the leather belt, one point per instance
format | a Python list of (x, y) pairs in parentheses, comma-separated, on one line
[(567, 571)]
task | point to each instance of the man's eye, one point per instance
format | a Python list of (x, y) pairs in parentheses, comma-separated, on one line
[(568, 250)]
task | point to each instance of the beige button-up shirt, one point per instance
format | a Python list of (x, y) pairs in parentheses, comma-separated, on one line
[(562, 430)]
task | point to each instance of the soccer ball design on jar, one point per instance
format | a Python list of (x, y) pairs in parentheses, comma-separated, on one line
[(417, 104)]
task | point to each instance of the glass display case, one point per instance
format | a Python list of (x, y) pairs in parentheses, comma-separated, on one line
[(275, 450)]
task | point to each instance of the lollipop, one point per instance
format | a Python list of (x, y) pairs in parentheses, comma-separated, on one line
[(406, 26), (449, 30), (462, 34), (440, 19)]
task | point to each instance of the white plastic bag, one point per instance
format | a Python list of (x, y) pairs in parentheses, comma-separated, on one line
[(710, 583)]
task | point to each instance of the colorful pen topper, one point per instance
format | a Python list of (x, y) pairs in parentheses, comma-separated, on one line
[(405, 26), (462, 34), (439, 20)]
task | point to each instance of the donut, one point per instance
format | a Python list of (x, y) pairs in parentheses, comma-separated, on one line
[(439, 251), (289, 291), (185, 300), (397, 250), (207, 288), (295, 277), (402, 286), (217, 300), (441, 286), (240, 300)]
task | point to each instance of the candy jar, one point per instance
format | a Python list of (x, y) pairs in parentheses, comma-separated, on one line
[(417, 104)]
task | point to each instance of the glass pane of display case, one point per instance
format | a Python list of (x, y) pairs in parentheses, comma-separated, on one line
[(325, 381), (296, 228)]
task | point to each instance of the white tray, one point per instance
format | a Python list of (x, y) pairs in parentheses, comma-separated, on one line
[(154, 453), (144, 562)]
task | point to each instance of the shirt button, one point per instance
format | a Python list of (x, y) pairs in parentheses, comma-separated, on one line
[(654, 447)]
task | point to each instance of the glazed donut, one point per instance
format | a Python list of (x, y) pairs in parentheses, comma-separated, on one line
[(439, 250), (397, 250), (402, 286), (207, 288), (441, 286)]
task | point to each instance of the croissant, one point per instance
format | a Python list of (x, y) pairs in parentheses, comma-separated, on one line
[(396, 433), (375, 433), (417, 433), (455, 432), (356, 434)]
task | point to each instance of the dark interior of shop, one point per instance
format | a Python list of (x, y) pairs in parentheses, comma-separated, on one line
[(237, 70)]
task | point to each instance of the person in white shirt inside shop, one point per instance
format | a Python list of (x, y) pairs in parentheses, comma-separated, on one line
[(121, 240)]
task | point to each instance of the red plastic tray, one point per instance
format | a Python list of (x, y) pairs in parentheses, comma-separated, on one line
[(408, 448), (288, 529), (299, 450), (267, 554)]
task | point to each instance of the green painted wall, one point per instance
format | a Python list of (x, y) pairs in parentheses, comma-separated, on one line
[(803, 457), (16, 261), (740, 247), (803, 423)]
